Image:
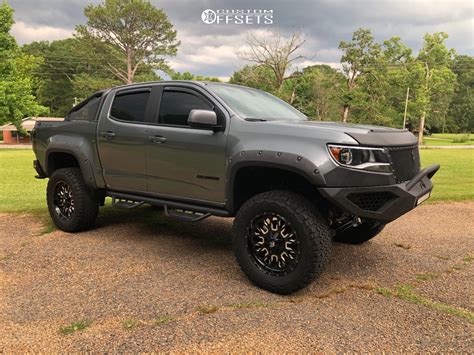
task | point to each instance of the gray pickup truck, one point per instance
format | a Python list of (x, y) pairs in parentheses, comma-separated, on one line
[(200, 149)]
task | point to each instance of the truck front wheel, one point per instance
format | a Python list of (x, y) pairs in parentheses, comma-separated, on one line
[(281, 241), (360, 234), (72, 205)]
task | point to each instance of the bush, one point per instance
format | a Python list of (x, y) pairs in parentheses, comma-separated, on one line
[(461, 139)]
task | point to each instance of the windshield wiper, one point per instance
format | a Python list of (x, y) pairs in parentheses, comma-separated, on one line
[(255, 119)]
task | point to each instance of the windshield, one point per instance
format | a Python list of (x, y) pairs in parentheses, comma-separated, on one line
[(255, 104)]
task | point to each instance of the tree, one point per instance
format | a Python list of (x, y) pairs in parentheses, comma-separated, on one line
[(360, 56), (255, 76), (128, 35), (68, 74), (16, 99), (462, 106), (61, 66), (188, 76), (318, 92), (275, 52), (380, 94), (436, 80)]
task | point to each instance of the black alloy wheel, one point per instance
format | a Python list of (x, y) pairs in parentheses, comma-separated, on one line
[(273, 244)]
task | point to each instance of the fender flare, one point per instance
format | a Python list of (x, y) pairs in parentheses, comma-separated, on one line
[(84, 162), (294, 163)]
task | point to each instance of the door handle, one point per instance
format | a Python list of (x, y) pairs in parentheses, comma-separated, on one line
[(157, 139), (107, 134)]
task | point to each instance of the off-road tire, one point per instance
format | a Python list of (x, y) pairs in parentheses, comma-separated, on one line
[(311, 229), (360, 234), (85, 201)]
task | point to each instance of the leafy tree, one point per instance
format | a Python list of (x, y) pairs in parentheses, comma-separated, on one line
[(461, 110), (360, 56), (16, 99), (434, 81), (318, 92), (256, 76), (69, 74), (188, 76), (128, 35), (380, 95)]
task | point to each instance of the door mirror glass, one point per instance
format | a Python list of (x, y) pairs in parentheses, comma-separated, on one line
[(205, 119)]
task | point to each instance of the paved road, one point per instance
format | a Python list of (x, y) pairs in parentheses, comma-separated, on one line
[(136, 269)]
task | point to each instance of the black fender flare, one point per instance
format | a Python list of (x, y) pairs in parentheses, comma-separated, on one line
[(84, 162), (294, 163)]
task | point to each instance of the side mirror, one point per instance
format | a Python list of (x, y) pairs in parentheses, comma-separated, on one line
[(205, 119)]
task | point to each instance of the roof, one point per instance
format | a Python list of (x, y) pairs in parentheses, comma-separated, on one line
[(29, 122)]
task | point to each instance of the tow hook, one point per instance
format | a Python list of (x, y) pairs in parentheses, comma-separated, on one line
[(356, 221)]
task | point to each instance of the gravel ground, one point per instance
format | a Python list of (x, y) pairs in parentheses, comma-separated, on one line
[(138, 267)]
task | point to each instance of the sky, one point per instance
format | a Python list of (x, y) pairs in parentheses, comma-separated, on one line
[(211, 49)]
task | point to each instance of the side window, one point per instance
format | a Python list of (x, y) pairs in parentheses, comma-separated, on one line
[(130, 106), (176, 105), (86, 112)]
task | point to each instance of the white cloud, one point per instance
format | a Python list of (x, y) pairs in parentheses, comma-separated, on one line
[(25, 33)]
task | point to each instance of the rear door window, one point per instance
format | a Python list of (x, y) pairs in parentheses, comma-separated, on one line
[(130, 106)]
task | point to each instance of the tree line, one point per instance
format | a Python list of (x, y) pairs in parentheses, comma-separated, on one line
[(125, 41)]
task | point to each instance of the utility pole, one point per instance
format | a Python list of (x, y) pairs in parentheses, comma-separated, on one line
[(406, 108), (444, 120)]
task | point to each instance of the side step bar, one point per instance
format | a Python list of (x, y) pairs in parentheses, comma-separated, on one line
[(123, 203), (170, 205), (184, 215)]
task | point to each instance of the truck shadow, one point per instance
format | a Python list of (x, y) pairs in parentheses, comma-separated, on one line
[(152, 221), (214, 235)]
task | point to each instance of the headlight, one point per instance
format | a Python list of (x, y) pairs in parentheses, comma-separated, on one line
[(364, 158)]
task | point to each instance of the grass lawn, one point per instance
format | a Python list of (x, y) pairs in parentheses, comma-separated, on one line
[(21, 192), (438, 139)]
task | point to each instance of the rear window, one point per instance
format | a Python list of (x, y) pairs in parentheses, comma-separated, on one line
[(85, 111), (130, 106)]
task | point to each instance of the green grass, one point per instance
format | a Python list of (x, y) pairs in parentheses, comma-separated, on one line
[(74, 327), (253, 304), (21, 192), (207, 309), (426, 276), (440, 139), (129, 323), (455, 180), (406, 293), (163, 319)]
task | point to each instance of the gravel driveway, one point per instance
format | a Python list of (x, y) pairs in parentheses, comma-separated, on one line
[(143, 283)]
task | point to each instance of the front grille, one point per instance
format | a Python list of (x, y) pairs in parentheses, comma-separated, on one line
[(370, 201), (405, 162)]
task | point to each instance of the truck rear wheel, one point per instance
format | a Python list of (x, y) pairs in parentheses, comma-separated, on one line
[(360, 234), (72, 205), (281, 241)]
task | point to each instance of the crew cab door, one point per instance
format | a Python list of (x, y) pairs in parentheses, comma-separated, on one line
[(185, 162), (122, 138)]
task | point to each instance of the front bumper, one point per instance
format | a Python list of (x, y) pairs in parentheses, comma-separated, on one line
[(383, 203)]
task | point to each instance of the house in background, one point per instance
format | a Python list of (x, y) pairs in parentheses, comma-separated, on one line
[(12, 136)]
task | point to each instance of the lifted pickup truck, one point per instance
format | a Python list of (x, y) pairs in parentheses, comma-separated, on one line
[(201, 149)]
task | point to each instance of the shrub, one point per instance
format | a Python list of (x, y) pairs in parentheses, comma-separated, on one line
[(461, 139)]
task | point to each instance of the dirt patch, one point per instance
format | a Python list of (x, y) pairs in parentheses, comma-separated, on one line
[(163, 277)]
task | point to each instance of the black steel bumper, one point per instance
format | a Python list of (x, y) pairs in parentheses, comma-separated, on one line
[(383, 203), (39, 170)]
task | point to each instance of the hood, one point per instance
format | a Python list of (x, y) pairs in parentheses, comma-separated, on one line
[(367, 135)]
